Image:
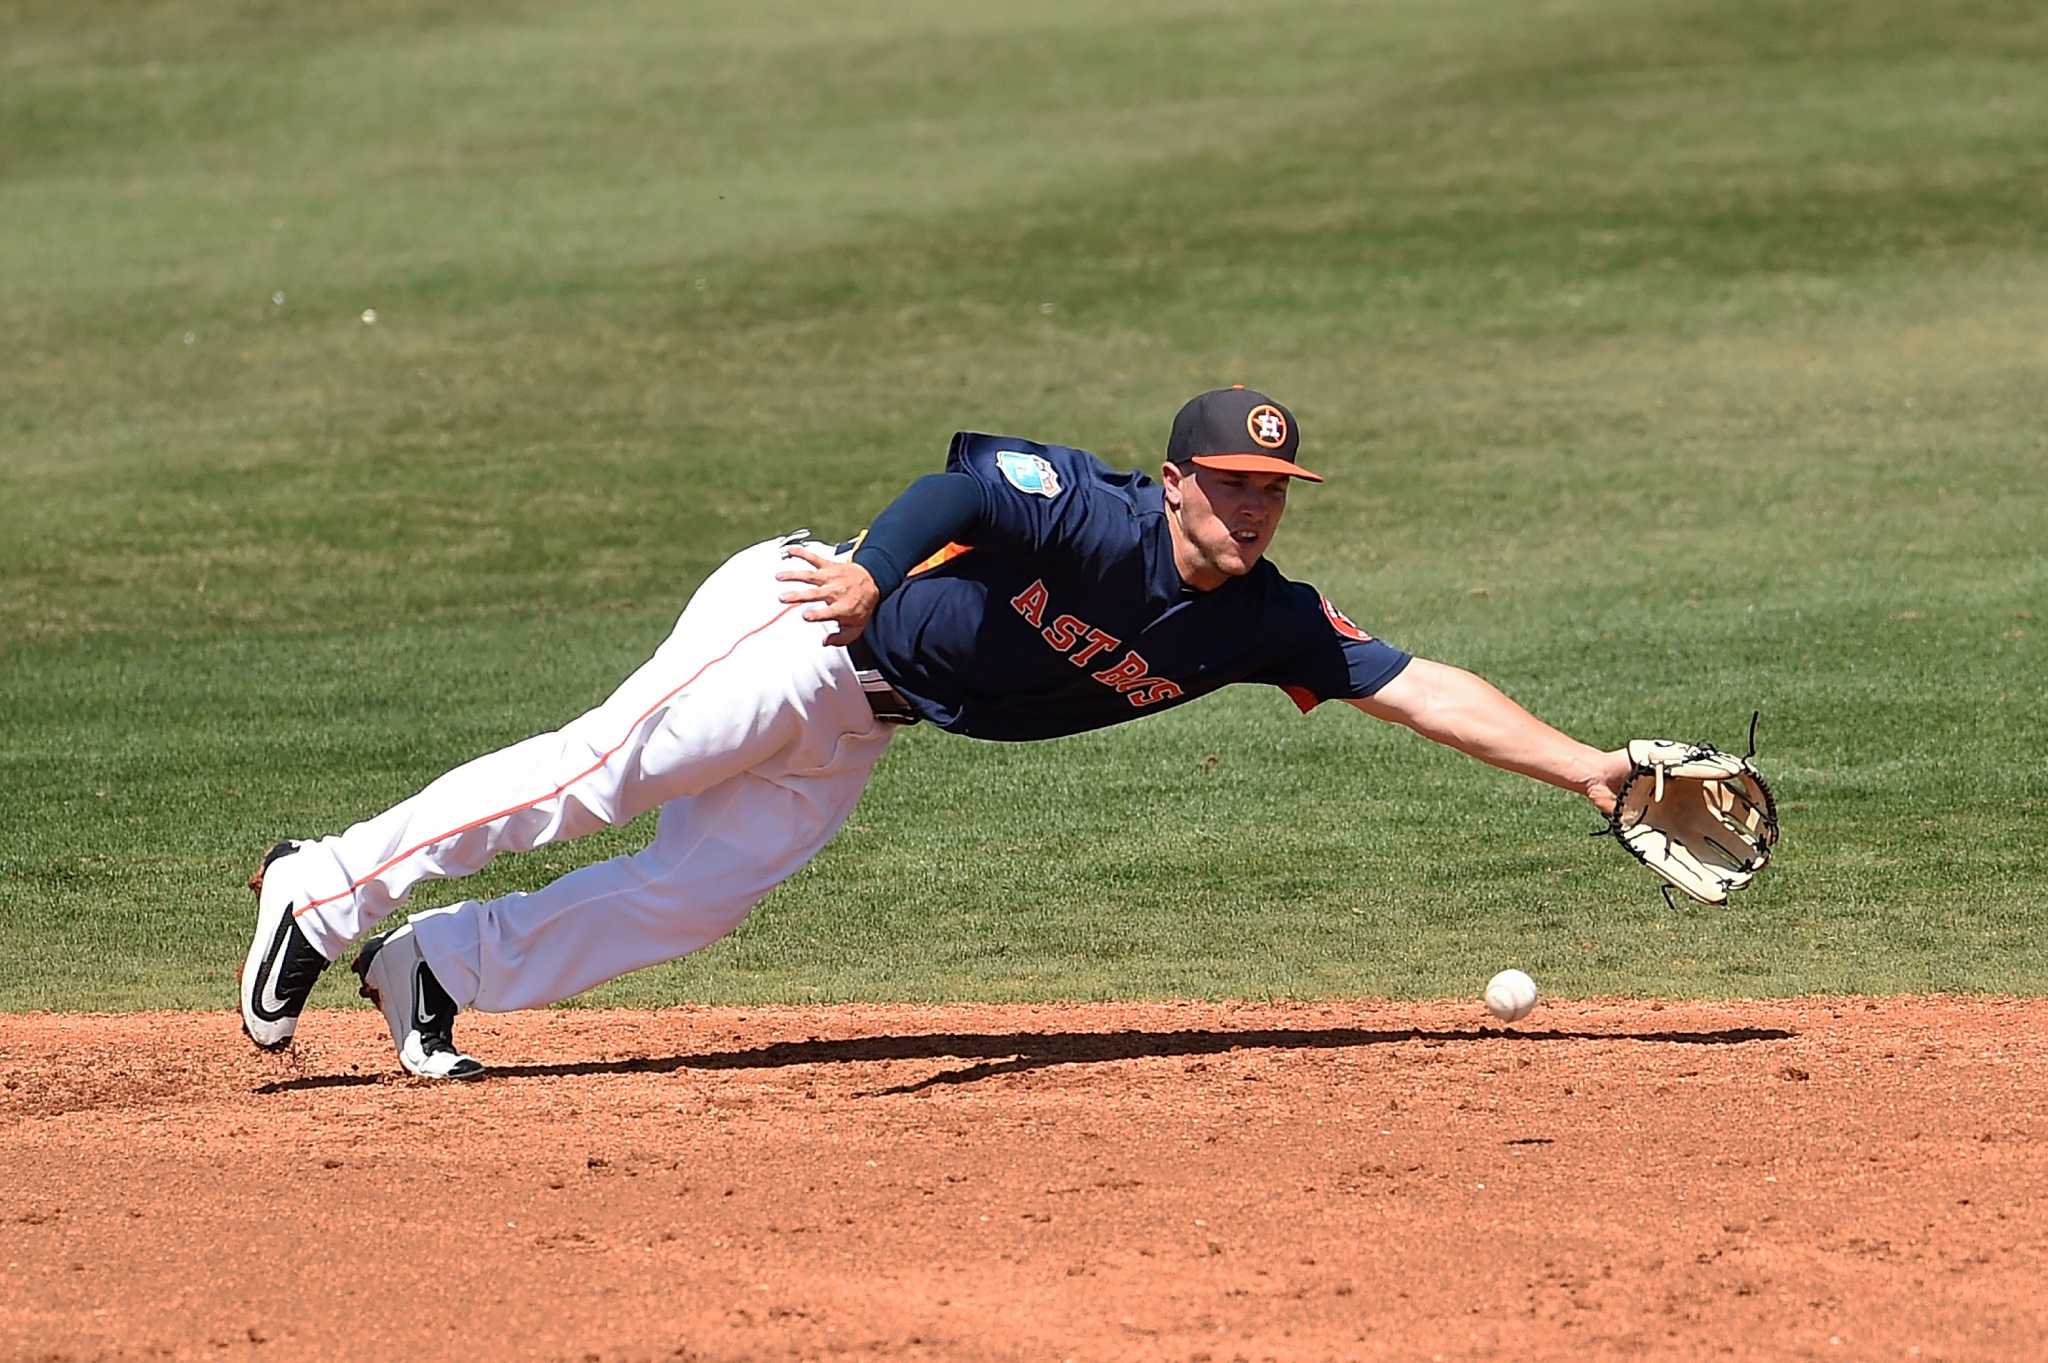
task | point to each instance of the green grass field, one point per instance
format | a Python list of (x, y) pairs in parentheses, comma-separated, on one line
[(1668, 358)]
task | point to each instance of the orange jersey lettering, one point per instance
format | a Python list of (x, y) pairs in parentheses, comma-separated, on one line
[(1030, 603), (1154, 691), (1125, 674), (1064, 632), (1130, 676), (1097, 643)]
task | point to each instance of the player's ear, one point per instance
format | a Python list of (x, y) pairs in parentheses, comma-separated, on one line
[(1170, 475)]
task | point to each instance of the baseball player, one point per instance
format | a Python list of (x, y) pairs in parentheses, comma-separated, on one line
[(1026, 592)]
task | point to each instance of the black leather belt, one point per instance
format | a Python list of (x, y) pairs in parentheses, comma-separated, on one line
[(885, 700)]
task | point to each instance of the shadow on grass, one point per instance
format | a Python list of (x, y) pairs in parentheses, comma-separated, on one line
[(1017, 1052)]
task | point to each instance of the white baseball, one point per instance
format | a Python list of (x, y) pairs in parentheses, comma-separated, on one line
[(1510, 995)]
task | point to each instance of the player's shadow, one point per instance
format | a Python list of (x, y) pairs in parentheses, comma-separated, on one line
[(1001, 1053)]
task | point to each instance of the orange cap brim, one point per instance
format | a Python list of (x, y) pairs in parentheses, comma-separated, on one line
[(1255, 463)]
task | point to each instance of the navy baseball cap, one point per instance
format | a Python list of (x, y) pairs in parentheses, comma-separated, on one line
[(1237, 429)]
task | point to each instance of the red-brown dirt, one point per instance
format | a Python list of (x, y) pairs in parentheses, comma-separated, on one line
[(1832, 1179)]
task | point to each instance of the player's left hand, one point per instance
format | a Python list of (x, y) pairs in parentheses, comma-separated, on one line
[(1603, 787), (841, 592)]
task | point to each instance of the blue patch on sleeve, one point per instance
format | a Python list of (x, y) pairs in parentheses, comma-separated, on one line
[(1028, 473)]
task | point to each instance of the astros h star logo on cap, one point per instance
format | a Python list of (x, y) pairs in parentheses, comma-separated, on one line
[(1267, 426)]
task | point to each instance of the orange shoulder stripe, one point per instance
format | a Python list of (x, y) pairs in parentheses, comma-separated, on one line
[(945, 555)]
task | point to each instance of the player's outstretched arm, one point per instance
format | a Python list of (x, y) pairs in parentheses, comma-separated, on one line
[(1464, 711)]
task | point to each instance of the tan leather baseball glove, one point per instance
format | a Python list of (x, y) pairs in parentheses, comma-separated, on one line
[(1701, 818)]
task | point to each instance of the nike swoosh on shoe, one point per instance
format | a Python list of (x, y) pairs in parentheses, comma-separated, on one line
[(281, 967)]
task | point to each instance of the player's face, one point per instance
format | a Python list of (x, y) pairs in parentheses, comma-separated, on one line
[(1225, 520)]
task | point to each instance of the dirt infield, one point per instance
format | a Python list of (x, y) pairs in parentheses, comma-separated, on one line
[(1838, 1179)]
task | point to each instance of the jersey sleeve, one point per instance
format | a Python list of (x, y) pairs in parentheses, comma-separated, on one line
[(1326, 656), (1041, 499), (937, 509)]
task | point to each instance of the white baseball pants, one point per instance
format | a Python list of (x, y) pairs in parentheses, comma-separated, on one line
[(753, 737)]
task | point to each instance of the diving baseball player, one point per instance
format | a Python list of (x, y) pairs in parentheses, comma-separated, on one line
[(1026, 592)]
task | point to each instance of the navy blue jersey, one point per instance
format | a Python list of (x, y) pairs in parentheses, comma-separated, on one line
[(1067, 613)]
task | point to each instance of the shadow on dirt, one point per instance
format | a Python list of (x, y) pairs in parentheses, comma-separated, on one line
[(1017, 1052)]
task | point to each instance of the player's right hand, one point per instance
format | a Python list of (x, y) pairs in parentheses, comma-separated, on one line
[(841, 592)]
